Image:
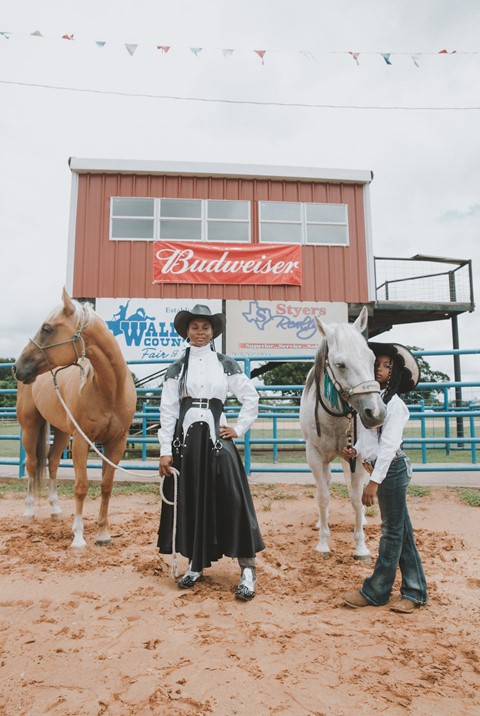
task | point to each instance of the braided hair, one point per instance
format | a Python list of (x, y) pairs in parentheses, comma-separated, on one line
[(394, 378)]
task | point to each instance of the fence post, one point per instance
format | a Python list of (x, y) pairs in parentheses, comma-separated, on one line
[(423, 432)]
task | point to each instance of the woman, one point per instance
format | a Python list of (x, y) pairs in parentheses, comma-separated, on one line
[(397, 371), (216, 515)]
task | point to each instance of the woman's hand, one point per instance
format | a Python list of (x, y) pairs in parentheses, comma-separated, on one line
[(226, 432), (369, 493), (166, 462), (348, 453)]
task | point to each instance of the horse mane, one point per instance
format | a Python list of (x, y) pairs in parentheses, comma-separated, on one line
[(315, 373)]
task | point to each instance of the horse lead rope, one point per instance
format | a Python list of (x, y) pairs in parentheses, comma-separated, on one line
[(174, 471)]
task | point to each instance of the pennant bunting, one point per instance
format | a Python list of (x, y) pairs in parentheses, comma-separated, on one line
[(261, 54), (37, 33), (355, 56), (196, 50), (67, 37), (446, 52), (100, 43), (5, 35), (163, 48), (131, 49), (386, 57), (227, 53), (416, 60)]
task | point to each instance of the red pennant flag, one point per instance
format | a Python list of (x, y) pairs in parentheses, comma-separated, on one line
[(446, 52), (67, 37), (355, 56), (261, 54), (163, 48)]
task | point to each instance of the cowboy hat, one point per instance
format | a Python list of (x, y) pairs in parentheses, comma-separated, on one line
[(410, 370), (183, 318)]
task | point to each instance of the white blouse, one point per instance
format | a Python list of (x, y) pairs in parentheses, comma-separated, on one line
[(205, 379), (379, 446)]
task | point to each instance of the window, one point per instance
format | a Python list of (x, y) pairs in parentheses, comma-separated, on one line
[(135, 219), (299, 223)]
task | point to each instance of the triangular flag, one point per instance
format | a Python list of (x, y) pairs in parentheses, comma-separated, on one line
[(5, 35), (37, 33), (130, 48), (355, 56), (446, 52), (386, 57), (415, 60), (196, 50), (261, 54), (163, 48), (227, 53), (309, 55), (100, 43), (67, 37)]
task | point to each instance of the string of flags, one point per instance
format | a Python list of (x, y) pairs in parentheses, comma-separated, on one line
[(131, 48)]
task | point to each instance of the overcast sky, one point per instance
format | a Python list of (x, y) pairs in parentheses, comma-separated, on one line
[(425, 193)]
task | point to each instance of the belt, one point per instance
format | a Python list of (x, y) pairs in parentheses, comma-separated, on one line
[(370, 464), (200, 403)]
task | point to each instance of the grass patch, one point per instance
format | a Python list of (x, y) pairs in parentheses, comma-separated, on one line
[(65, 489), (469, 495), (418, 491)]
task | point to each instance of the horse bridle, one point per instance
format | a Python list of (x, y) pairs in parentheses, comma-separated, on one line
[(367, 386), (74, 340)]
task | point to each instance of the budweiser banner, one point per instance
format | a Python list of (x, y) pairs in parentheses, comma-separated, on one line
[(272, 328), (253, 264)]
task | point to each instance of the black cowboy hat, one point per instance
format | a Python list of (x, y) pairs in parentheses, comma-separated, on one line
[(183, 318), (410, 370)]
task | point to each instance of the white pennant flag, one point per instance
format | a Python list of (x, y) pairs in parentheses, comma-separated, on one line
[(227, 53), (131, 49)]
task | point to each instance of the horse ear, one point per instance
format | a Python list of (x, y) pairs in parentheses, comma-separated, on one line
[(324, 329), (362, 320), (68, 307)]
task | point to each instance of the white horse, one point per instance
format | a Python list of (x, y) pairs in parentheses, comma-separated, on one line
[(340, 385)]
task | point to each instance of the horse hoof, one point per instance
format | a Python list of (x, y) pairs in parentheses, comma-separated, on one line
[(29, 514), (326, 555), (363, 557), (103, 542)]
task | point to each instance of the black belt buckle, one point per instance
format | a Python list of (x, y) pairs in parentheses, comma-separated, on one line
[(201, 403)]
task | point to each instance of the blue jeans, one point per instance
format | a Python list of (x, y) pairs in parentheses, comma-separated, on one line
[(397, 544)]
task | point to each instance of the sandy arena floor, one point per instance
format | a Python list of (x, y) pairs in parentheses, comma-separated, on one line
[(106, 631)]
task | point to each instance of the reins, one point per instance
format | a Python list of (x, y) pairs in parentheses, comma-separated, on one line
[(346, 410)]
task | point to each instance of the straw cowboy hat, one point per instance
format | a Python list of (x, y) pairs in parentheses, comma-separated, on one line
[(183, 318), (410, 375)]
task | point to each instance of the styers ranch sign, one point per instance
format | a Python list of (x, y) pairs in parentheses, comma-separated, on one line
[(182, 262)]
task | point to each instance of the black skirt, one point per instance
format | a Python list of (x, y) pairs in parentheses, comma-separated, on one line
[(215, 511)]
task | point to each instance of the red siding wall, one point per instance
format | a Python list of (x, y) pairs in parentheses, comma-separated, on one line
[(104, 268)]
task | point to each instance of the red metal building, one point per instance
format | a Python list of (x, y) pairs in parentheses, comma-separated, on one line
[(121, 209)]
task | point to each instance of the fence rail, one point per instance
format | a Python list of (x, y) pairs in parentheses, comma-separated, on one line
[(277, 417)]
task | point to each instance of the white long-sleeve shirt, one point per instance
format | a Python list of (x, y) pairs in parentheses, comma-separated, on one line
[(380, 446), (205, 379)]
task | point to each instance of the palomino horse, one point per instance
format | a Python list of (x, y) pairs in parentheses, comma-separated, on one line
[(98, 390), (340, 384)]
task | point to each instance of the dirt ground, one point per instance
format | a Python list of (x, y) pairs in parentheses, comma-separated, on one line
[(106, 631)]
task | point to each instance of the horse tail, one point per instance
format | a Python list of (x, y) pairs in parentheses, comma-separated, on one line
[(41, 453)]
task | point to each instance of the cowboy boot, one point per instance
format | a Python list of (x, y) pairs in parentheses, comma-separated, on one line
[(190, 578), (246, 588)]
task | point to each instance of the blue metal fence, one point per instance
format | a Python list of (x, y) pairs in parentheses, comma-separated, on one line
[(148, 416)]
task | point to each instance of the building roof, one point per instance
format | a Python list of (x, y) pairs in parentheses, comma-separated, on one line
[(259, 171)]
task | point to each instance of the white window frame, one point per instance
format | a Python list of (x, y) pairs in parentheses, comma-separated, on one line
[(303, 223), (203, 220)]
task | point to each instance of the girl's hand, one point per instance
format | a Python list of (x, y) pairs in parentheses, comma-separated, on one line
[(369, 493), (348, 453), (166, 462), (226, 432)]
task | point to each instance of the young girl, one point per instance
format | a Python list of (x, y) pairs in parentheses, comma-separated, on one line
[(397, 371), (216, 515)]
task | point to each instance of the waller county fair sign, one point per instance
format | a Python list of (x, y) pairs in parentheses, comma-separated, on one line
[(145, 329)]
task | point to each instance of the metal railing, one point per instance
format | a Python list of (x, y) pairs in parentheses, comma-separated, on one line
[(147, 418)]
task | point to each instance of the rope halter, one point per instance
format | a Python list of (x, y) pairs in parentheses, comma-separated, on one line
[(367, 386)]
